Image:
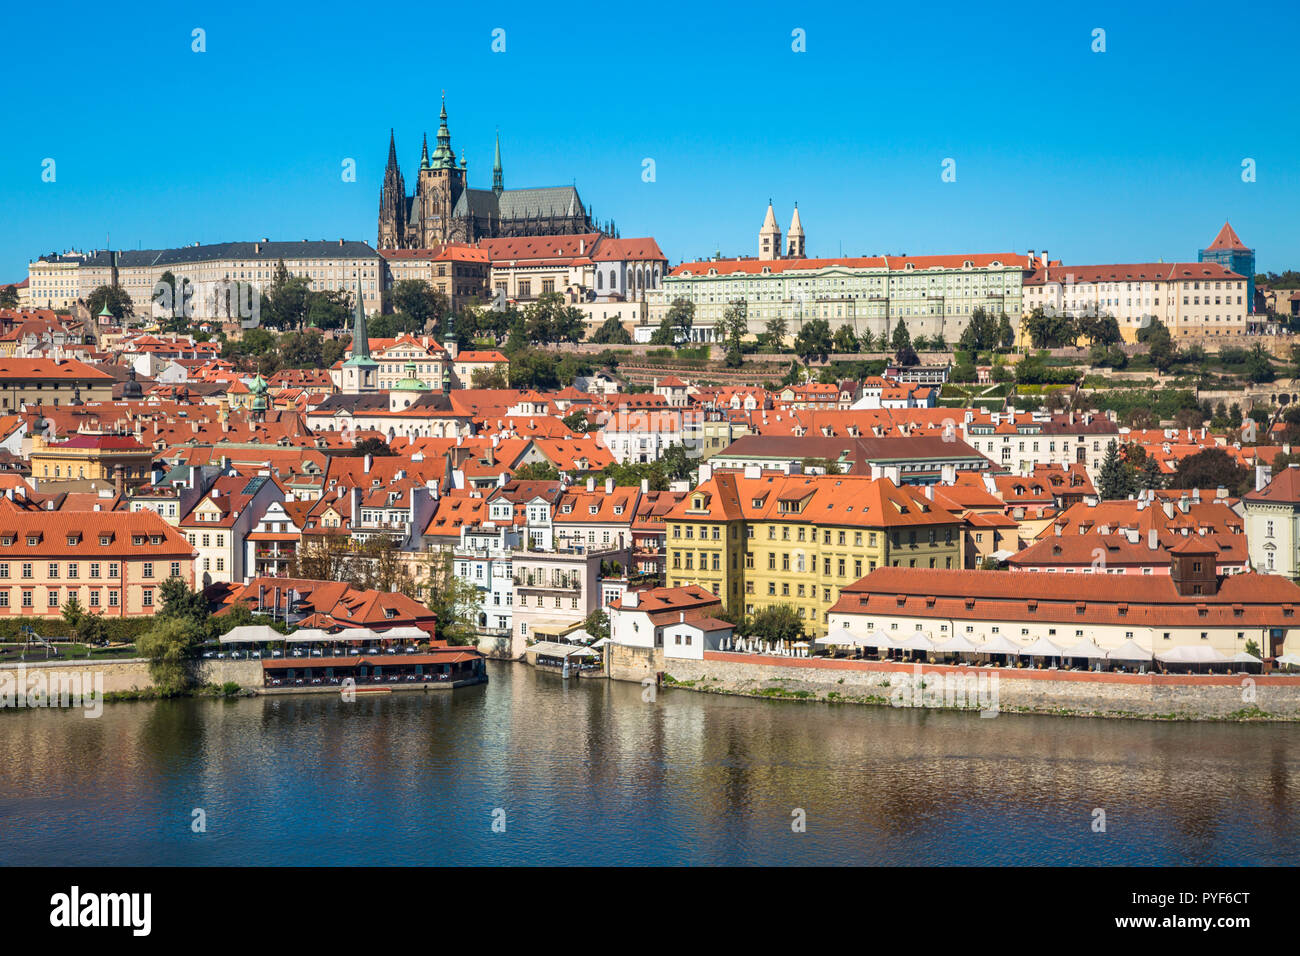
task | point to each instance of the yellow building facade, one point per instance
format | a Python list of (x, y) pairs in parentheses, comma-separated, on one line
[(758, 541)]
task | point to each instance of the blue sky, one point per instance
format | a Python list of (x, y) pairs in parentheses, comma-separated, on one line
[(1132, 154)]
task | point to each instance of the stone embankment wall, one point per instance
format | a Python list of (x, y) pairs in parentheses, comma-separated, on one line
[(128, 674), (1076, 693), (634, 663)]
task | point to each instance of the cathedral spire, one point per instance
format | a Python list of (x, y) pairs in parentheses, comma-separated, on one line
[(424, 153), (498, 176), (392, 150), (444, 157)]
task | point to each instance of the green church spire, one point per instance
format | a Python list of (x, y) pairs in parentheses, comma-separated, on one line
[(498, 177), (360, 341)]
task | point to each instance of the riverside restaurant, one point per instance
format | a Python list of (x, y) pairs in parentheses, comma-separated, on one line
[(436, 667)]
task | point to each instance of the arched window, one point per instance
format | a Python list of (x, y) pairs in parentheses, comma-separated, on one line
[(600, 276)]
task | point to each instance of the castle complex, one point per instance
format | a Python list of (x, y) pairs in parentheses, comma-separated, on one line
[(446, 209)]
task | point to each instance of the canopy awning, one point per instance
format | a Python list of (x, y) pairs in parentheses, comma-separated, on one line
[(404, 633), (1130, 650), (1084, 648), (957, 644), (997, 644), (251, 634), (1042, 648), (309, 635), (917, 641), (556, 649), (356, 634), (1192, 654)]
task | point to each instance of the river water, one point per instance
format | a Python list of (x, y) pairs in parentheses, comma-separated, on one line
[(530, 769)]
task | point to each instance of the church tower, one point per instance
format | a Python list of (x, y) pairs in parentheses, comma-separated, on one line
[(392, 202), (441, 183), (498, 176), (360, 372), (769, 237), (794, 238)]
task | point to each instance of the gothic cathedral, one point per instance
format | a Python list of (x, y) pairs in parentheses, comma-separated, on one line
[(445, 209)]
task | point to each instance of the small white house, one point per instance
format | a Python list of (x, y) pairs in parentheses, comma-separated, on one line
[(690, 639)]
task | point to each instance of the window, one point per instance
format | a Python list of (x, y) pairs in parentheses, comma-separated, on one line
[(94, 569), (148, 569), (53, 597)]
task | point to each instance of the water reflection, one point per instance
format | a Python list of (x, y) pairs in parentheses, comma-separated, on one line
[(586, 771)]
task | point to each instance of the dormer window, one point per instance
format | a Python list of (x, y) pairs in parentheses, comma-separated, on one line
[(33, 540), (105, 540)]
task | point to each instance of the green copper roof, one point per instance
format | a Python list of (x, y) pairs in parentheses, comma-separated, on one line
[(104, 310), (410, 383), (444, 157)]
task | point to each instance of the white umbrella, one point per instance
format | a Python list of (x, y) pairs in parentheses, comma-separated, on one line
[(957, 645), (1292, 659), (997, 644), (251, 634), (312, 634), (405, 633), (1130, 650), (356, 634), (915, 642), (1085, 648), (1042, 648), (1241, 657), (1192, 654)]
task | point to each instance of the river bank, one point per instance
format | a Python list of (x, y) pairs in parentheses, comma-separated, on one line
[(993, 690)]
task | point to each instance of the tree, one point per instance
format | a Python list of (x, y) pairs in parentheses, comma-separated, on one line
[(537, 471), (907, 357), (774, 334), (9, 297), (1115, 479), (1006, 335), (172, 648), (117, 299), (372, 446), (419, 300), (611, 333), (456, 602), (1160, 345), (302, 349), (980, 334), (813, 341), (577, 421), (1212, 468), (181, 601), (776, 622), (681, 317), (284, 304), (734, 327), (845, 342), (597, 624), (494, 377), (533, 368), (902, 338), (1051, 330), (167, 294), (1259, 366), (549, 320)]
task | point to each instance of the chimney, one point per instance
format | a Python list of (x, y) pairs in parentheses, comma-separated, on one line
[(368, 461), (1196, 496), (1184, 503), (1058, 529), (645, 486), (119, 479), (1168, 508), (609, 486), (629, 599), (1153, 540), (591, 483), (1263, 475)]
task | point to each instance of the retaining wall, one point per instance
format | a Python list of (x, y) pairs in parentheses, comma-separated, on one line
[(1002, 690)]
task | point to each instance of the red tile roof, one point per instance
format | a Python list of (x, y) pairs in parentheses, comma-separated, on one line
[(1227, 239)]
